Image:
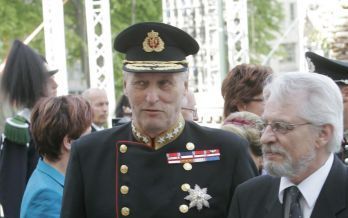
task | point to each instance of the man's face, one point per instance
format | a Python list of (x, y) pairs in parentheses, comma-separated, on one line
[(51, 87), (291, 153), (155, 99), (100, 107)]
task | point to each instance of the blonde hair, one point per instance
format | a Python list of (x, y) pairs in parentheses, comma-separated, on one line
[(246, 125)]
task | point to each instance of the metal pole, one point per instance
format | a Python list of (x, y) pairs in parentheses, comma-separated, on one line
[(222, 41)]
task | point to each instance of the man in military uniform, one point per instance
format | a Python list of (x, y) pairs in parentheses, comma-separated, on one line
[(25, 80), (157, 165), (337, 71)]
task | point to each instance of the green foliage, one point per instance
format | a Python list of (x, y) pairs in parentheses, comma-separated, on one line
[(264, 19), (19, 20), (22, 18)]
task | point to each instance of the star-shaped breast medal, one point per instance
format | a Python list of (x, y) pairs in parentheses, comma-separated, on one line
[(198, 197)]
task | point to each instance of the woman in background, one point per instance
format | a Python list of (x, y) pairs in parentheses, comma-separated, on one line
[(55, 123), (248, 126), (242, 89)]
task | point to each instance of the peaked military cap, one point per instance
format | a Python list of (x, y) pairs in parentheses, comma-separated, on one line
[(336, 70), (155, 47)]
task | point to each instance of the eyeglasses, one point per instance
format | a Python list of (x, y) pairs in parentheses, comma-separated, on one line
[(255, 99), (282, 127)]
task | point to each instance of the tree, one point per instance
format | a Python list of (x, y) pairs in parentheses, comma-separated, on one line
[(19, 20), (264, 19)]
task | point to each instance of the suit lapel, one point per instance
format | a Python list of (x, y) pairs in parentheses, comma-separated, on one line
[(273, 208), (332, 197)]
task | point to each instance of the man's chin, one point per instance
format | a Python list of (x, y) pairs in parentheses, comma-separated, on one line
[(279, 169)]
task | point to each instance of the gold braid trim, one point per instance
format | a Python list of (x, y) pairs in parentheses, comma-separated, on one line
[(155, 62), (153, 66)]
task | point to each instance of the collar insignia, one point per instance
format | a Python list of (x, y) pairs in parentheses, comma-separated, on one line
[(153, 42), (198, 197), (162, 139)]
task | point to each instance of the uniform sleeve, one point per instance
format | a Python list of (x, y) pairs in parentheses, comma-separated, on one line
[(243, 168), (45, 203), (73, 196), (234, 207)]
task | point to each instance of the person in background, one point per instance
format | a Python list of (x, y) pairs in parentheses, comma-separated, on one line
[(188, 108), (338, 72), (26, 79), (55, 123), (100, 106), (123, 111), (303, 128), (157, 165), (248, 126), (242, 89)]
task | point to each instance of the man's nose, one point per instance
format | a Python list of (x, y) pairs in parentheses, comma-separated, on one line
[(152, 96), (267, 135)]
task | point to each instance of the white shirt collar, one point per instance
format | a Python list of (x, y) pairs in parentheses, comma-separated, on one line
[(97, 128), (310, 187), (25, 113)]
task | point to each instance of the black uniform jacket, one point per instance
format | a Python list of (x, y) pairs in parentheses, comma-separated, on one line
[(96, 175), (17, 163), (258, 197)]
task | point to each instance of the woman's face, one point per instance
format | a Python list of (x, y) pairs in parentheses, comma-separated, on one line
[(254, 105)]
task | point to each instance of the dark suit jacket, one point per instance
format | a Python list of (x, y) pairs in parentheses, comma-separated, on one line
[(258, 197), (93, 179)]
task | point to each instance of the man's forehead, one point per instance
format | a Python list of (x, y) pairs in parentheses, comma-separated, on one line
[(279, 110)]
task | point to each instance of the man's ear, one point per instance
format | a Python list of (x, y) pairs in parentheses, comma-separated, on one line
[(325, 135), (125, 87)]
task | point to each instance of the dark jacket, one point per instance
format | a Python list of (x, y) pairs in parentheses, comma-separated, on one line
[(17, 162), (94, 178), (258, 197)]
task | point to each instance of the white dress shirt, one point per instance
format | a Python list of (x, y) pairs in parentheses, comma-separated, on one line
[(310, 187), (97, 128)]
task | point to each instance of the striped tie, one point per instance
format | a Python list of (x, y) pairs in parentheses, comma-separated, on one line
[(292, 203)]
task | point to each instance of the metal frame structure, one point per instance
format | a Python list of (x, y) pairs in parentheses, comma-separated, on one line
[(99, 48), (53, 20), (99, 45), (221, 29)]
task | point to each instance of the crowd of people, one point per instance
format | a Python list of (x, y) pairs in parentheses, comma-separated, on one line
[(280, 151)]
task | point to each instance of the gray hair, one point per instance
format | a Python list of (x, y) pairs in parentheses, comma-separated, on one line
[(321, 101), (87, 94)]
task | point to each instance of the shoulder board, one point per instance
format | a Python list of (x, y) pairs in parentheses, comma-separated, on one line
[(17, 130)]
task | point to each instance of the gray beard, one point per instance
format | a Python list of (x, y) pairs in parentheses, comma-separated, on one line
[(288, 168)]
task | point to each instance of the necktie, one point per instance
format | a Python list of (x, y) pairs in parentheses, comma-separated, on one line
[(292, 208)]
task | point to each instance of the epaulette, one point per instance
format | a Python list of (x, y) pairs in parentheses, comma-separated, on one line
[(17, 130)]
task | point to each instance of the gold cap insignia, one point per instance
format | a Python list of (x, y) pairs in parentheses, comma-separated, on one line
[(153, 42)]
